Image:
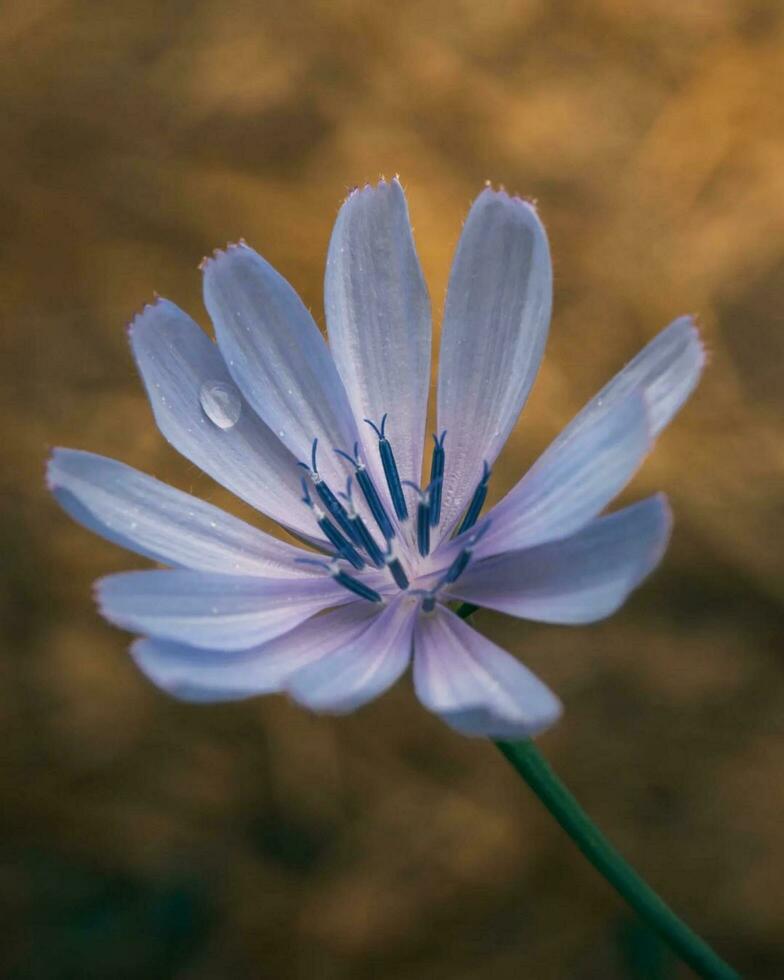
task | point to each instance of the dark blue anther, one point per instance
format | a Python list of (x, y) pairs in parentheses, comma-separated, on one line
[(335, 509), (457, 567), (397, 570), (370, 493), (477, 501), (436, 478), (429, 602), (423, 518), (390, 469), (357, 587), (460, 563), (344, 579), (344, 548), (361, 532)]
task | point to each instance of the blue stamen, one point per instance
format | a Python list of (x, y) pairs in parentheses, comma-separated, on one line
[(390, 469), (429, 598), (423, 518), (362, 534), (370, 493), (397, 571), (477, 502), (357, 587), (335, 509), (436, 478), (344, 547), (319, 562), (460, 563), (344, 579)]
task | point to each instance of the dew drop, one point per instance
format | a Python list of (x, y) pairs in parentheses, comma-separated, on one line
[(221, 403)]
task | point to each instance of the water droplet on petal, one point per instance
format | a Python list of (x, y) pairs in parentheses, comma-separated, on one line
[(221, 403)]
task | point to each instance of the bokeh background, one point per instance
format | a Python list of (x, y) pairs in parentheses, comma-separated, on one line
[(146, 839)]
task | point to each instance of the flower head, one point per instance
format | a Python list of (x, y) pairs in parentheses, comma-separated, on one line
[(327, 439)]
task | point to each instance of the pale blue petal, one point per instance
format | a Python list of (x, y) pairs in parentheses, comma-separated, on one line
[(666, 370), (495, 327), (378, 318), (576, 580), (359, 670), (474, 686), (194, 674), (573, 481), (217, 612), (277, 356), (153, 519), (176, 359)]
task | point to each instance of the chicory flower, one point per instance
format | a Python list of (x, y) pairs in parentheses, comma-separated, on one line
[(327, 439)]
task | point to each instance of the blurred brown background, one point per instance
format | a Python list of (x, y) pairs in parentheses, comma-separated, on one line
[(146, 839)]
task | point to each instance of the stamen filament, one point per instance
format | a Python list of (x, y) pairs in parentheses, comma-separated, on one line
[(477, 502), (390, 469), (436, 478)]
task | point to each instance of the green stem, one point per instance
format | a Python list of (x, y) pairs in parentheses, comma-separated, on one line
[(533, 767), (535, 770)]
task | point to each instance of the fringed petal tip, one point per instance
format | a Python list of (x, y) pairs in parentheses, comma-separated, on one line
[(218, 253), (99, 588), (500, 192), (155, 305), (50, 469), (697, 333), (382, 184)]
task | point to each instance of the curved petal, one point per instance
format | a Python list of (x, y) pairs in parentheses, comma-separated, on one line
[(216, 612), (495, 326), (378, 319), (177, 360), (578, 579), (475, 686), (666, 370), (153, 519), (573, 480), (194, 674), (277, 356), (360, 670)]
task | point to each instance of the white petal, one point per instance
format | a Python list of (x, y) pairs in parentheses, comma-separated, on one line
[(361, 669), (495, 327), (475, 686), (141, 513), (378, 318), (579, 579), (176, 360), (194, 674), (277, 356), (217, 612)]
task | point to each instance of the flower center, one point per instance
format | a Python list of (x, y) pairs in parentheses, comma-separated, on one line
[(340, 522)]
